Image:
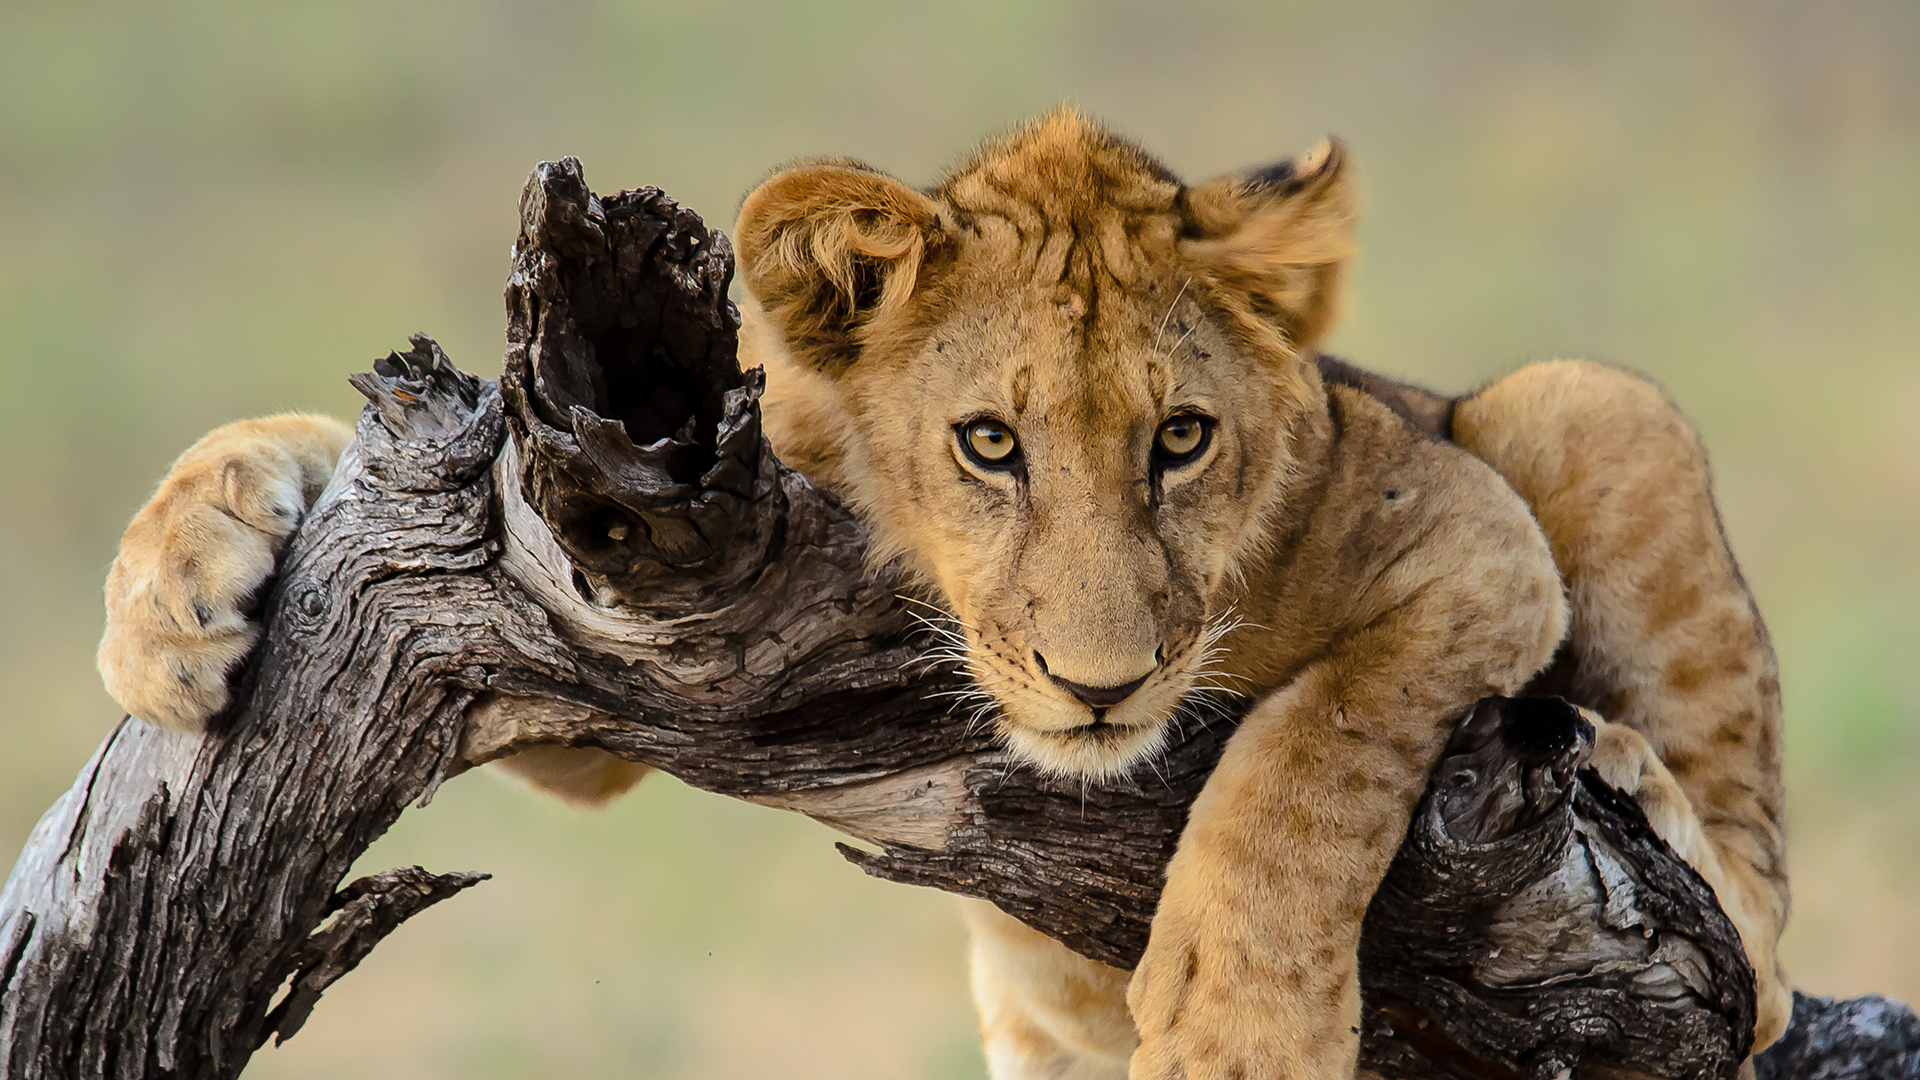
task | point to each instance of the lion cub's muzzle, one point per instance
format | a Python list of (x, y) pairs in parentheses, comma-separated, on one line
[(1100, 727)]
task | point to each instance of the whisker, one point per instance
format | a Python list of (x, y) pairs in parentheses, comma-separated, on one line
[(938, 621), (1210, 692), (940, 614), (1185, 711), (1169, 314), (961, 692), (982, 716), (1183, 339), (1012, 764), (1204, 693), (1156, 771)]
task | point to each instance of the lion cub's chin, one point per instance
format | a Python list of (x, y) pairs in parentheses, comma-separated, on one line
[(1093, 751)]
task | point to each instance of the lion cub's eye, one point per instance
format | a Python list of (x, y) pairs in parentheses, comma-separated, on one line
[(989, 443), (1181, 439)]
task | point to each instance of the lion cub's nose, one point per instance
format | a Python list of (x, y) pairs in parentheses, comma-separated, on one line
[(1094, 697)]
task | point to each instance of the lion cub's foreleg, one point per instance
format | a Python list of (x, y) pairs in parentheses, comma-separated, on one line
[(206, 542), (195, 554), (1251, 969), (1665, 639), (193, 557)]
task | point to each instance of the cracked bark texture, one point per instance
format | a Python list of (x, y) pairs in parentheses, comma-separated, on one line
[(603, 552)]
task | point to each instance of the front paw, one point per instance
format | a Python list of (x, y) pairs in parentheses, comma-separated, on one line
[(1213, 1003), (194, 559)]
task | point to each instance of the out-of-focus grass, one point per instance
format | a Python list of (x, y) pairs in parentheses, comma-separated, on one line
[(215, 210)]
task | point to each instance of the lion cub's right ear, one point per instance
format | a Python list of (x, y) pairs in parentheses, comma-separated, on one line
[(829, 249)]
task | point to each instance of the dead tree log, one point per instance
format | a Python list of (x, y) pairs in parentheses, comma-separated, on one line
[(633, 570)]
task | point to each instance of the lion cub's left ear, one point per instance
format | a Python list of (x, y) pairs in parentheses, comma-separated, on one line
[(829, 248), (1281, 235)]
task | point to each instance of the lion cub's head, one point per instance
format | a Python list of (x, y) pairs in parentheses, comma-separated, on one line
[(1061, 386)]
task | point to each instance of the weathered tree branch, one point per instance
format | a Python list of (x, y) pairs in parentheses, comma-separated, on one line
[(634, 570)]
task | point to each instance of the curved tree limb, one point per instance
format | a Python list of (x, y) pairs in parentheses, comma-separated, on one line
[(603, 552)]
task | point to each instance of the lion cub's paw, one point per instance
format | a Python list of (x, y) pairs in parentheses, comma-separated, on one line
[(194, 557), (1625, 760), (1211, 1003)]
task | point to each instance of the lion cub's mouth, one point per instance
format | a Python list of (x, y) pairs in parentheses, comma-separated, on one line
[(1097, 729), (1097, 749)]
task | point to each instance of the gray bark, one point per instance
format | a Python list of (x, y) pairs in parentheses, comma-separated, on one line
[(633, 570)]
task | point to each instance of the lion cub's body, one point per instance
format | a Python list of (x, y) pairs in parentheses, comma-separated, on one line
[(1080, 399)]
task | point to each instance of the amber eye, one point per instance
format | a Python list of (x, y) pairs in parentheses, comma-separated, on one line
[(1181, 439), (989, 442)]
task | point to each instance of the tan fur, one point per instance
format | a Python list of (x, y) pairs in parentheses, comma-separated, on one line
[(1045, 1010), (1329, 554), (579, 775)]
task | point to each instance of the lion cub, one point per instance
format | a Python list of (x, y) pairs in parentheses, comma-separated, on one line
[(1080, 399)]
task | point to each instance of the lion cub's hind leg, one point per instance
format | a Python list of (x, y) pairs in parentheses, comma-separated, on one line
[(579, 776), (1046, 1013), (1665, 640), (1623, 759), (196, 553)]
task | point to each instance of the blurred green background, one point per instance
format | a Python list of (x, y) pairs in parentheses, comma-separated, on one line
[(210, 211)]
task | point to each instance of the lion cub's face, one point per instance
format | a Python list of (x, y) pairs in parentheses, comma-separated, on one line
[(1062, 392), (1080, 484)]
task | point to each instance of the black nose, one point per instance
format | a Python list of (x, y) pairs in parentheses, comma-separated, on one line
[(1094, 697)]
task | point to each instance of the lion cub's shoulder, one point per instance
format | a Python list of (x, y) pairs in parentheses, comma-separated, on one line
[(1404, 511), (1389, 449), (1425, 411)]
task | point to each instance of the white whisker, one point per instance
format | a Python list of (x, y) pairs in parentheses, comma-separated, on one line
[(962, 692), (982, 716), (1183, 340), (1210, 695), (1187, 710), (1169, 314), (1012, 764), (1156, 770)]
